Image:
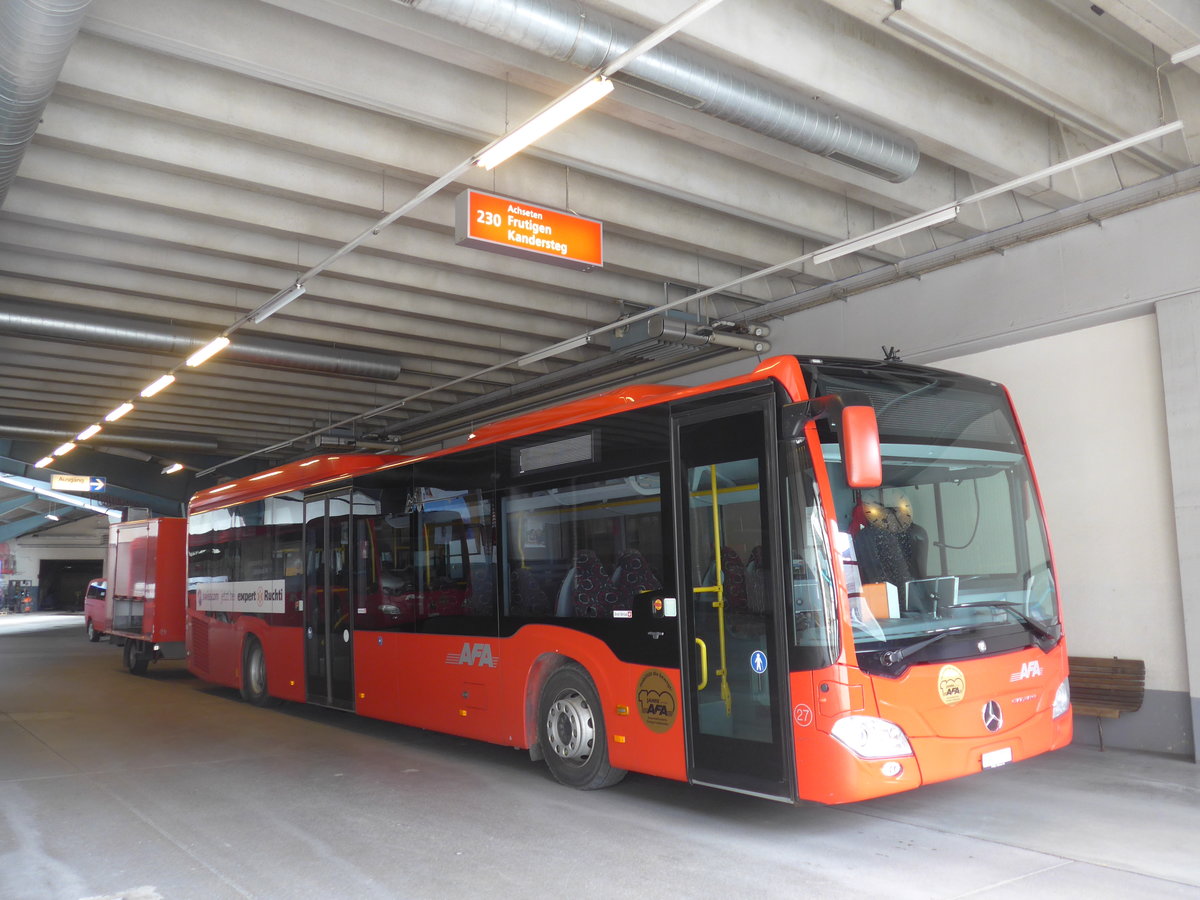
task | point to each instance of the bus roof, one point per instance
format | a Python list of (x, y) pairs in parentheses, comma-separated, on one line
[(326, 469)]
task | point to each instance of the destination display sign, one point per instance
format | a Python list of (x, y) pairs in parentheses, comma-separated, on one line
[(515, 228)]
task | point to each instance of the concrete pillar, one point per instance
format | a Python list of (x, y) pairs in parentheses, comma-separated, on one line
[(1179, 340)]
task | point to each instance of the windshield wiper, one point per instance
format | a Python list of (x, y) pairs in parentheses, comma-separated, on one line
[(891, 658), (894, 657), (1038, 630)]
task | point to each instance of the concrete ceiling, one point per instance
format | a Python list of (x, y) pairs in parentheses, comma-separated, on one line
[(195, 158)]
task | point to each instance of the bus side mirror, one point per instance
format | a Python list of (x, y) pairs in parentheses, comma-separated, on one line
[(859, 437), (857, 431)]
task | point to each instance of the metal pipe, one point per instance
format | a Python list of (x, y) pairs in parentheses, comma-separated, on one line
[(33, 432), (61, 322), (35, 37), (571, 32)]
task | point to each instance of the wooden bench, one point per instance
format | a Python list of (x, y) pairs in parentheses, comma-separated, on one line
[(1105, 687)]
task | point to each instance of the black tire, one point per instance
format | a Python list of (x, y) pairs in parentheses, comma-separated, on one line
[(135, 662), (571, 731), (254, 674), (92, 634)]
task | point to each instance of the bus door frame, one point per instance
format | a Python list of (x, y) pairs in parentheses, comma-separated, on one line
[(321, 634), (762, 769)]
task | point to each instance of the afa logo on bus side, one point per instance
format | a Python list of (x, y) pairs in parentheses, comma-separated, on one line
[(656, 701)]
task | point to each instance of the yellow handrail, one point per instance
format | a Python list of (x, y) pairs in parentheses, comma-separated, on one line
[(719, 603), (703, 665)]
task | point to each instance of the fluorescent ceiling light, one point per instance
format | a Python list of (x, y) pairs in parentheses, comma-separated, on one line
[(208, 351), (52, 517), (151, 389), (43, 462), (554, 350), (64, 449), (1185, 55), (906, 226), (278, 302), (544, 122), (118, 412), (90, 431), (173, 468)]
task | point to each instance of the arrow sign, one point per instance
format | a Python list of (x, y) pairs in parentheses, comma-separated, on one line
[(77, 483)]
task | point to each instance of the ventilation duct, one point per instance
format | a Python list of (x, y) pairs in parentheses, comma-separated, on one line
[(35, 36), (587, 38), (111, 436), (58, 322)]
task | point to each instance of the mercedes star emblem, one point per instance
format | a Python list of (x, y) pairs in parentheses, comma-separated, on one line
[(993, 718)]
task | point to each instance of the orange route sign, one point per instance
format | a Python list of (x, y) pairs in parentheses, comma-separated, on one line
[(516, 228)]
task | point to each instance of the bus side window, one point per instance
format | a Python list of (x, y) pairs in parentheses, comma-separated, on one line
[(584, 549), (456, 565)]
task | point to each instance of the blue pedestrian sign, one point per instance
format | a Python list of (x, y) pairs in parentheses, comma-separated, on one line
[(758, 662)]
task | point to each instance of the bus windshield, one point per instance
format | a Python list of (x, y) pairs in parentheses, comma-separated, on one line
[(952, 543)]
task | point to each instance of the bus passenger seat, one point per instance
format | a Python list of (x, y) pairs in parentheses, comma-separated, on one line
[(756, 581), (881, 557), (528, 598), (586, 591), (733, 574), (913, 539), (631, 576), (481, 598)]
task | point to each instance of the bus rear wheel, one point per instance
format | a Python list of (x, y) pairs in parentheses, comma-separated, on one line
[(254, 674), (571, 731)]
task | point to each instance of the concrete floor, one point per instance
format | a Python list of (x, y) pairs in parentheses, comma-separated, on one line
[(114, 786)]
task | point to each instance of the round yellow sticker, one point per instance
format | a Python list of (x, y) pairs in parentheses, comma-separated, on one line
[(656, 701), (951, 685)]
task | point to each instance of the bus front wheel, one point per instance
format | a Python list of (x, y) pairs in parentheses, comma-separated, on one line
[(571, 731), (92, 634)]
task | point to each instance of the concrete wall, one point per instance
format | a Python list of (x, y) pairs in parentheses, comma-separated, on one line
[(1091, 404)]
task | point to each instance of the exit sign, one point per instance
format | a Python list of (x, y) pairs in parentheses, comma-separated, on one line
[(515, 228), (77, 483)]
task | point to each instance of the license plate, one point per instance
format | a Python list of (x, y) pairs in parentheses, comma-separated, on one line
[(995, 758)]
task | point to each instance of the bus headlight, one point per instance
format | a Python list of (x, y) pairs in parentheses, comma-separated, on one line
[(871, 738), (1062, 699)]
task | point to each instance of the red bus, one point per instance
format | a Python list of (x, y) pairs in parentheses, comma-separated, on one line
[(824, 580)]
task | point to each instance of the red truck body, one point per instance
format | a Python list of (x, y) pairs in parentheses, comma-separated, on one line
[(142, 605)]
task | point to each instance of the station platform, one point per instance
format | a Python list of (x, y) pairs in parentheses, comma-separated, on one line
[(164, 788)]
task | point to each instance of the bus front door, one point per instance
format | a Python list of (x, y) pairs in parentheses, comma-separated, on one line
[(328, 638), (735, 673)]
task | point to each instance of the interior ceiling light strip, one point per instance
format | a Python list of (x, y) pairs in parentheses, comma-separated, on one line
[(278, 302), (1185, 55), (151, 389), (208, 351), (119, 412), (891, 232), (561, 110)]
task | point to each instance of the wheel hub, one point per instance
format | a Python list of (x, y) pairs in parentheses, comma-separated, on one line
[(570, 727)]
